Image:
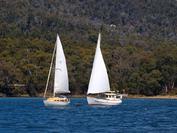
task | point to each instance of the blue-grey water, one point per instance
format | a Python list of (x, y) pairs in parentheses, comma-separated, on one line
[(28, 115)]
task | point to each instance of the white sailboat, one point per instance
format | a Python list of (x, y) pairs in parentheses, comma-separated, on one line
[(99, 88), (61, 85)]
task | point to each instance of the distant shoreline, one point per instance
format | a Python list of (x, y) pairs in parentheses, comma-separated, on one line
[(154, 97), (129, 96), (138, 96)]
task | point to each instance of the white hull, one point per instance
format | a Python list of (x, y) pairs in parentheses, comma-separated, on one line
[(55, 103), (99, 101)]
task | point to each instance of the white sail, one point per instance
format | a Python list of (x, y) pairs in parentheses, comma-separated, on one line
[(99, 81), (61, 84)]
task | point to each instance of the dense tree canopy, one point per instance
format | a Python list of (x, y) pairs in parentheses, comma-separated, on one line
[(139, 44)]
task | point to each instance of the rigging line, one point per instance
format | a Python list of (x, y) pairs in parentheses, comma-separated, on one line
[(50, 70)]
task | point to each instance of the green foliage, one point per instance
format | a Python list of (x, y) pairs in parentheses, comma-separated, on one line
[(138, 43)]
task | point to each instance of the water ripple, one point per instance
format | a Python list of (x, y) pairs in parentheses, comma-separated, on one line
[(132, 116)]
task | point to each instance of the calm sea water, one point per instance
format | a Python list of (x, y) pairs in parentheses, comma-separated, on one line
[(28, 115)]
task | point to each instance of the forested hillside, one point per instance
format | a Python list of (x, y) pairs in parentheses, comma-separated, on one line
[(139, 43)]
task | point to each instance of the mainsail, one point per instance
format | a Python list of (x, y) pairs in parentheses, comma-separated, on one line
[(61, 84), (99, 81)]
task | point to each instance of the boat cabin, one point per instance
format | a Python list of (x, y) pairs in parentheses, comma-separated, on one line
[(110, 95), (58, 99)]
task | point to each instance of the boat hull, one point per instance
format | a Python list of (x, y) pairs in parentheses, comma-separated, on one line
[(55, 104), (99, 101)]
